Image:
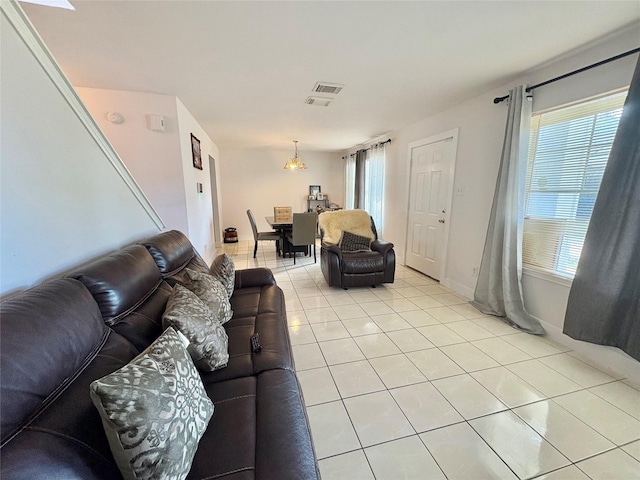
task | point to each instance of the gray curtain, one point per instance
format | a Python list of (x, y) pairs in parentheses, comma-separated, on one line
[(604, 301), (499, 289), (361, 156)]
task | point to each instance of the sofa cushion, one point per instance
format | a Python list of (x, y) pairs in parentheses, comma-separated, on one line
[(362, 262), (279, 433), (224, 270), (208, 341), (50, 428), (120, 281), (66, 440), (48, 334), (350, 242), (274, 430), (130, 292), (172, 252), (154, 410), (258, 310), (254, 277), (208, 289)]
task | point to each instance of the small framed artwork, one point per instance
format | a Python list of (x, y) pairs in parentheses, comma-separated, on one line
[(314, 190), (320, 196), (195, 152), (311, 197)]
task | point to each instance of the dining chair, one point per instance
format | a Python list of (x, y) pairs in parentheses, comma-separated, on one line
[(260, 236), (282, 214), (304, 232)]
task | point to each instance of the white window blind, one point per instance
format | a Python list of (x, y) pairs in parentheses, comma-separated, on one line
[(568, 152)]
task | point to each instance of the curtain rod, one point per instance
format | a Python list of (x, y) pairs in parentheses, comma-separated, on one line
[(388, 140), (580, 70)]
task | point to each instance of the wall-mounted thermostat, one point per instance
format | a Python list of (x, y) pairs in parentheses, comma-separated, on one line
[(156, 123)]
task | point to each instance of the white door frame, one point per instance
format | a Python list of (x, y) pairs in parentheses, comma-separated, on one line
[(215, 207), (453, 134)]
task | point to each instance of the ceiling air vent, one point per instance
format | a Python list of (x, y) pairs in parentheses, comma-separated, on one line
[(330, 88), (318, 101)]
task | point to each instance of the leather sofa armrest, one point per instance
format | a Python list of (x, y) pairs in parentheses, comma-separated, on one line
[(381, 246), (330, 247), (254, 277)]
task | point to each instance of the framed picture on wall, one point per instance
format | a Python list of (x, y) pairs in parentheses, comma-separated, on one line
[(195, 151), (314, 190)]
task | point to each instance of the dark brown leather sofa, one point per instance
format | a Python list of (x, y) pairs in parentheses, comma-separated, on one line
[(60, 336)]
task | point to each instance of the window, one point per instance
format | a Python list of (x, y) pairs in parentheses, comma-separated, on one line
[(371, 189), (568, 153), (349, 181), (374, 185)]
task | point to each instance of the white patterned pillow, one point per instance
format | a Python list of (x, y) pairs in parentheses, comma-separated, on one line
[(208, 339), (154, 411), (211, 291), (224, 270)]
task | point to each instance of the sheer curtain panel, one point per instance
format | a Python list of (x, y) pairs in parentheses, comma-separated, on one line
[(374, 191), (349, 182), (604, 301), (499, 288)]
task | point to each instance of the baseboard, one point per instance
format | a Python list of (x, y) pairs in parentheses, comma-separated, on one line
[(610, 360), (457, 287)]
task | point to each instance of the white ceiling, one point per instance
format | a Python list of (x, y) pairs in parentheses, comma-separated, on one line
[(245, 69)]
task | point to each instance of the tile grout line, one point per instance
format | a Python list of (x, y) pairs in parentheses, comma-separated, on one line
[(315, 277)]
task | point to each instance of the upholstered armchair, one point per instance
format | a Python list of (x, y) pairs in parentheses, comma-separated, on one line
[(351, 255)]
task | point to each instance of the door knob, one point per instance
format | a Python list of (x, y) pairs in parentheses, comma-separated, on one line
[(441, 220)]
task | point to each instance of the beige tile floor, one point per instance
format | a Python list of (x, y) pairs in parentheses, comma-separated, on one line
[(408, 381)]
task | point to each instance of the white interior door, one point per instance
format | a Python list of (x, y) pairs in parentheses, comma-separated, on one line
[(429, 197)]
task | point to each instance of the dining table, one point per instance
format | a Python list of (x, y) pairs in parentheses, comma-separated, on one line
[(283, 226)]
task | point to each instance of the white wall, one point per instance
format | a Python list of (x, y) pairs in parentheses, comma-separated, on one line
[(63, 199), (255, 179), (481, 125), (151, 157), (161, 162), (199, 205)]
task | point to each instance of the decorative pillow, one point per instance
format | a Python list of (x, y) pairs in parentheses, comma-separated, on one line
[(350, 242), (224, 270), (154, 410), (208, 339), (209, 289)]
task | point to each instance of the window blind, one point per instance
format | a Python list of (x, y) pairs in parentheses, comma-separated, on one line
[(568, 153)]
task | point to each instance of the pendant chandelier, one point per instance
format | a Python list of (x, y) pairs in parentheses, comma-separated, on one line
[(296, 162)]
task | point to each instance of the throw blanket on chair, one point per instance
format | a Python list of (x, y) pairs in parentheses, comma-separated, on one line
[(334, 223)]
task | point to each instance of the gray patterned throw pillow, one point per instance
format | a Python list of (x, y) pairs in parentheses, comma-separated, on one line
[(224, 270), (154, 411), (350, 242), (208, 339), (209, 289)]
